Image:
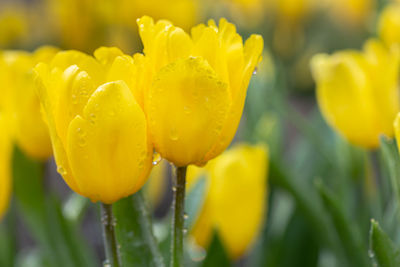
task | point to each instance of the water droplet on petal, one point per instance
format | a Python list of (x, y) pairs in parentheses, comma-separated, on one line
[(173, 134), (156, 158), (61, 170), (255, 71), (187, 110)]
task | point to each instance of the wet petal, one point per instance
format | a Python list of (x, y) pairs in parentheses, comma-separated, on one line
[(108, 147), (186, 103)]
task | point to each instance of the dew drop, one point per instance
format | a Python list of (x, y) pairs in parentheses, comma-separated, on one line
[(61, 170), (173, 134), (184, 230), (185, 216), (74, 100), (187, 110), (156, 158), (174, 189), (370, 253), (255, 71), (92, 117)]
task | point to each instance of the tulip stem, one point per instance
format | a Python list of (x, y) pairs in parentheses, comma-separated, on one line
[(178, 220), (109, 239)]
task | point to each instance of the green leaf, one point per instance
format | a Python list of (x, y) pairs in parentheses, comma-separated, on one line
[(8, 239), (60, 241), (135, 233), (348, 232), (392, 159), (194, 201), (383, 250), (216, 254)]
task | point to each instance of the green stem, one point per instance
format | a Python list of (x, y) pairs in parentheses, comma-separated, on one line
[(147, 228), (178, 220), (109, 239)]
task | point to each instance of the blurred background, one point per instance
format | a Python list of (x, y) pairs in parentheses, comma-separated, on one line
[(322, 191)]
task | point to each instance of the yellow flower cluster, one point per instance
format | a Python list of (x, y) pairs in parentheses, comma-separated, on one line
[(103, 116), (105, 113)]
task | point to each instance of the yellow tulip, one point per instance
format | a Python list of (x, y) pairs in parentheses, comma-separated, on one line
[(355, 12), (357, 92), (21, 102), (14, 26), (97, 128), (389, 24), (195, 87), (5, 163), (235, 201), (157, 184)]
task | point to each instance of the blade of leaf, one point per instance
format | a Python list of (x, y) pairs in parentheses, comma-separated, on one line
[(135, 233), (62, 246), (348, 233), (383, 250), (216, 254), (194, 201)]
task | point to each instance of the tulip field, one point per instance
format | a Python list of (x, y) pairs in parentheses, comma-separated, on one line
[(200, 133)]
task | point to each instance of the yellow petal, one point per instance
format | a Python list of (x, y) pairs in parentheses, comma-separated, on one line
[(43, 85), (75, 88), (252, 55), (389, 24), (5, 163), (107, 55), (65, 59), (157, 183), (186, 103), (383, 74), (345, 96), (242, 171), (107, 147)]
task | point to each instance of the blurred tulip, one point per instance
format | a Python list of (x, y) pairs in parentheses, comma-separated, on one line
[(235, 199), (195, 87), (357, 92), (21, 102), (157, 183), (13, 26), (74, 22), (183, 13), (98, 130), (5, 164), (352, 12), (389, 24)]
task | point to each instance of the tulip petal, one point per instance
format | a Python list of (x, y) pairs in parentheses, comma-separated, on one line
[(242, 171), (5, 163), (186, 103), (65, 59), (107, 147), (252, 55), (42, 79), (345, 96), (107, 55)]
